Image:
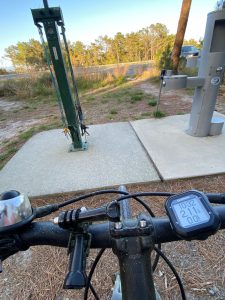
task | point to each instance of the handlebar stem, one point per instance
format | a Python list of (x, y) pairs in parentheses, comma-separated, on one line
[(133, 243)]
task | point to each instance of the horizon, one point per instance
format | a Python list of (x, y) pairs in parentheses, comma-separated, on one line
[(93, 19)]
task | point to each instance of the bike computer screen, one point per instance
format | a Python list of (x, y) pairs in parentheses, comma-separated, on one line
[(191, 214), (190, 211)]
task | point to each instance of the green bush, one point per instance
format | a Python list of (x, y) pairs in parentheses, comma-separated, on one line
[(136, 96), (152, 102), (159, 114)]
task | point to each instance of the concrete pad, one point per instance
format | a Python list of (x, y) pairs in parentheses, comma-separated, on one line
[(43, 165), (178, 155)]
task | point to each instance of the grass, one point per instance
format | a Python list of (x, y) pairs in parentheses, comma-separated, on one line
[(152, 74), (90, 99), (188, 71), (159, 114), (113, 112), (122, 95), (136, 96), (152, 102), (30, 87), (190, 91), (11, 147), (40, 86), (104, 101), (28, 134), (146, 114)]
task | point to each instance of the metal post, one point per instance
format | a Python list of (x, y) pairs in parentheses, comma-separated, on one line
[(45, 2)]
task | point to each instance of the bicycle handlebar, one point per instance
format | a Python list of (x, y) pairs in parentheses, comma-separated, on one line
[(46, 233), (128, 239)]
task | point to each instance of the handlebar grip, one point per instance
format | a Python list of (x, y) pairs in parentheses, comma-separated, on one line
[(76, 277)]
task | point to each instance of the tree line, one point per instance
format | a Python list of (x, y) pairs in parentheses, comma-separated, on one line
[(146, 44)]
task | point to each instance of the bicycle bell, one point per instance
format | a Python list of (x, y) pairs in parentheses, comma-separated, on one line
[(15, 210)]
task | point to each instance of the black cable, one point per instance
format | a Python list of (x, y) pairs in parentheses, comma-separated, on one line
[(156, 260), (145, 194), (99, 255), (174, 272), (50, 208), (145, 206), (97, 193), (94, 292), (83, 197)]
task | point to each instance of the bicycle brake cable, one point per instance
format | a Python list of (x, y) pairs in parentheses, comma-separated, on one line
[(170, 265)]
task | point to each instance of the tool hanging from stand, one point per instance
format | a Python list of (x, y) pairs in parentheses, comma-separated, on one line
[(68, 100)]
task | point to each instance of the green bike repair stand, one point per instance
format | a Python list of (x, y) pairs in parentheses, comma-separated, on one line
[(52, 18)]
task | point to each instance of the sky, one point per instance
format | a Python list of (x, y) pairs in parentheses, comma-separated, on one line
[(85, 20)]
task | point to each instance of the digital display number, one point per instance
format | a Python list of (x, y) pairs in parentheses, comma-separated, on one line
[(190, 211)]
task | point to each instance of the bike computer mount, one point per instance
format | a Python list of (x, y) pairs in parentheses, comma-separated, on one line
[(191, 215)]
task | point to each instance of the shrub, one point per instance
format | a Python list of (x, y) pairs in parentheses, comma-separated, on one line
[(113, 112), (152, 102), (159, 114)]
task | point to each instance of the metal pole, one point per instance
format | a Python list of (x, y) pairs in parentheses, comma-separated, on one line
[(45, 2), (163, 73)]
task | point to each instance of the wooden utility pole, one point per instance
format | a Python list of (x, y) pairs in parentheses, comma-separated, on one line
[(184, 13)]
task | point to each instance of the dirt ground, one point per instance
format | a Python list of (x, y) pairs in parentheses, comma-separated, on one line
[(39, 272), (16, 116)]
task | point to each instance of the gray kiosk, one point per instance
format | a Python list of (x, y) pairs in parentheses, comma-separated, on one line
[(210, 74)]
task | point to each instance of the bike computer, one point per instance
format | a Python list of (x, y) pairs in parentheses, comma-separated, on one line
[(191, 214)]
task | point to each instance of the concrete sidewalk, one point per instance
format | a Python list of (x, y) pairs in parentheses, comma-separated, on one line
[(43, 166), (177, 154)]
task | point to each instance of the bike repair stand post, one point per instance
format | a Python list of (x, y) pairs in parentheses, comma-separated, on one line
[(207, 83), (51, 18)]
